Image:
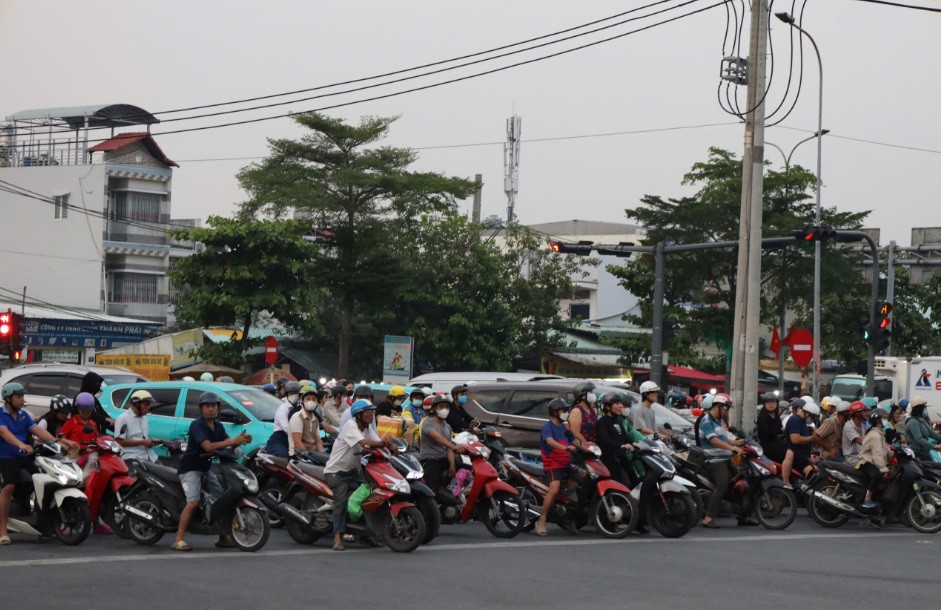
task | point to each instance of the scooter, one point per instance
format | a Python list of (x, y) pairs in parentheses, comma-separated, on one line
[(108, 484), (155, 501), (273, 476), (590, 496), (671, 510), (50, 502), (388, 513), (423, 497), (907, 495)]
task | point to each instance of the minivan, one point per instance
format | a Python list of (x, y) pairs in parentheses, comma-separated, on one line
[(443, 382)]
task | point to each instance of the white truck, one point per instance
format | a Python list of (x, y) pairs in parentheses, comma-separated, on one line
[(897, 378)]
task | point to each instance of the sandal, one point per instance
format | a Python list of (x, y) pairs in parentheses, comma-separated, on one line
[(4, 540), (541, 530), (181, 545), (712, 525), (339, 547)]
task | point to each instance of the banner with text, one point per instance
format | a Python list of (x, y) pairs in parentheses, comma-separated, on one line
[(155, 367), (397, 359)]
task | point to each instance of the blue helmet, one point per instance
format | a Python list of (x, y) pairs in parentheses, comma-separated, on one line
[(871, 403), (361, 405), (903, 404)]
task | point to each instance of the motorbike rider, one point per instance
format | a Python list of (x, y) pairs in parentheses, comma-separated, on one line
[(207, 376), (557, 444), (361, 392), (392, 405), (799, 438), (873, 459), (829, 435), (278, 443), (92, 384), (712, 439), (921, 438), (343, 468), (414, 405), (205, 436), (897, 424), (304, 426), (131, 429), (770, 430), (617, 447), (459, 419), (60, 409), (437, 449), (81, 428), (583, 419), (643, 415), (279, 386), (15, 427), (853, 431)]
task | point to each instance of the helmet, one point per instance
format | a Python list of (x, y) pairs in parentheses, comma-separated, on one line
[(361, 405), (609, 398), (84, 401), (269, 387), (418, 392), (292, 387), (871, 403), (857, 407), (769, 397), (339, 389), (141, 395), (721, 399), (827, 402), (556, 405), (397, 391), (188, 378), (918, 401), (12, 388), (842, 406), (209, 398), (362, 391), (426, 404), (60, 402), (706, 403), (582, 388), (648, 386), (812, 408), (281, 381), (438, 399), (903, 404), (458, 389), (206, 377), (875, 418), (225, 379), (308, 390)]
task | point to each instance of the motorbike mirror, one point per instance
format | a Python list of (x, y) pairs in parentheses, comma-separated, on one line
[(232, 417), (735, 431), (667, 426)]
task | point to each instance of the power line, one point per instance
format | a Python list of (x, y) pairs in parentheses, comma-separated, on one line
[(53, 306), (800, 81), (68, 258), (864, 141), (911, 6)]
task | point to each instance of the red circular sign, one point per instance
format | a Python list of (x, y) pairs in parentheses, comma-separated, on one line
[(271, 350), (802, 347)]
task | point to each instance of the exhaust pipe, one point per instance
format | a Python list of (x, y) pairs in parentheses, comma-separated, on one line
[(290, 512), (843, 506), (136, 513), (272, 504)]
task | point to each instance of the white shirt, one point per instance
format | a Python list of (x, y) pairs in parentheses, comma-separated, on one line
[(345, 454), (131, 427), (348, 416), (281, 419)]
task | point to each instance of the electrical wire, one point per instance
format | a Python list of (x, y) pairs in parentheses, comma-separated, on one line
[(911, 6), (738, 111), (790, 68), (800, 80), (54, 307)]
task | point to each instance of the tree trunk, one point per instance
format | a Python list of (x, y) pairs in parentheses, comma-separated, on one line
[(346, 335), (246, 326)]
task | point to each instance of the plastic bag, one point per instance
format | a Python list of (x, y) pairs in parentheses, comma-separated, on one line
[(354, 507)]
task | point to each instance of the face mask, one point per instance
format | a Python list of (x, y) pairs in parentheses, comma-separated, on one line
[(397, 402), (310, 405), (462, 399), (564, 415), (292, 398), (416, 403), (592, 398), (443, 413)]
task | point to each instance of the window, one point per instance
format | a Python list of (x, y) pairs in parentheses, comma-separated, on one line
[(134, 288), (490, 400), (118, 397), (165, 400), (61, 206), (260, 404), (582, 311), (47, 384), (129, 205), (533, 403), (191, 406)]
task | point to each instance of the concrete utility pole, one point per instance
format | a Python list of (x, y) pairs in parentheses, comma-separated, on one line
[(745, 351), (475, 213)]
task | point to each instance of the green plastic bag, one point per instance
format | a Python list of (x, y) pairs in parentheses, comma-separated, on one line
[(354, 507)]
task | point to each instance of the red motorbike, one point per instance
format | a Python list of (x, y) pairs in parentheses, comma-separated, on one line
[(388, 513), (588, 496), (107, 484), (484, 497)]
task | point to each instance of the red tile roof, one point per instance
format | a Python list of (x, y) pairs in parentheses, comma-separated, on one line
[(123, 140)]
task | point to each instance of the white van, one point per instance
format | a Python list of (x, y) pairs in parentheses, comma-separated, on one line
[(443, 382)]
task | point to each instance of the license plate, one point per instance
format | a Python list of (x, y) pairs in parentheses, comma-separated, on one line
[(915, 485)]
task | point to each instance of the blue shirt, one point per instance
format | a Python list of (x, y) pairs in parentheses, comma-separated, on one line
[(20, 428), (709, 429), (417, 413), (796, 425), (551, 457), (200, 431)]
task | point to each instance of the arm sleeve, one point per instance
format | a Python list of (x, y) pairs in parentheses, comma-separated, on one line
[(295, 425), (606, 438), (281, 417), (917, 439), (198, 434)]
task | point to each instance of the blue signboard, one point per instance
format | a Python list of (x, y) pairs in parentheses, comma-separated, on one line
[(85, 333)]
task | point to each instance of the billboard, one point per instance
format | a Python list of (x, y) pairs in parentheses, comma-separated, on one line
[(396, 359)]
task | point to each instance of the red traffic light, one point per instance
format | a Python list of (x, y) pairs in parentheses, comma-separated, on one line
[(885, 323), (6, 325), (555, 247)]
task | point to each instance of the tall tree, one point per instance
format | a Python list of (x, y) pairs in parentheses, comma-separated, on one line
[(358, 193)]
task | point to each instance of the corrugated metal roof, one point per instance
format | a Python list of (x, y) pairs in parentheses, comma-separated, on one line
[(36, 312), (98, 114)]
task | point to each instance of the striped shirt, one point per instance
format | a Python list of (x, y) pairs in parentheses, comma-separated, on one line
[(709, 429)]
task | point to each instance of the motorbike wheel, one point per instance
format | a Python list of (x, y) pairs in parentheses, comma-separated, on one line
[(503, 514), (924, 518), (529, 503), (432, 516), (72, 522), (614, 514), (139, 531), (674, 516), (113, 518), (700, 505), (776, 508), (824, 514), (249, 528), (406, 532), (273, 491), (304, 503)]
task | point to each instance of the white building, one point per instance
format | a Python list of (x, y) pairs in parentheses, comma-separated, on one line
[(88, 228)]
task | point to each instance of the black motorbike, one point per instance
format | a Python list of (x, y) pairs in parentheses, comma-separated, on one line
[(155, 501), (671, 510), (907, 495), (423, 497)]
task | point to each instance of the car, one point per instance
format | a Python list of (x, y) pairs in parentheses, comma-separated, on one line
[(381, 390), (244, 408), (519, 409), (443, 382), (44, 380)]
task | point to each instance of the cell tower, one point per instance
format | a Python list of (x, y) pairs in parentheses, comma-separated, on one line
[(511, 163)]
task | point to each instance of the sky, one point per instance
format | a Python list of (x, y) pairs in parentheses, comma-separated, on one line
[(880, 84)]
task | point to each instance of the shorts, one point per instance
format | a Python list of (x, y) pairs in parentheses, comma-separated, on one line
[(193, 481), (10, 469), (801, 462), (559, 474)]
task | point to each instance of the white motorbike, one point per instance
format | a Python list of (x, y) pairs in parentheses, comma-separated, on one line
[(49, 502)]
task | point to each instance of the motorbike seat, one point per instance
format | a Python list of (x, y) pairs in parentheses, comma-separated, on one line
[(164, 473), (313, 470), (533, 469), (317, 458), (841, 466)]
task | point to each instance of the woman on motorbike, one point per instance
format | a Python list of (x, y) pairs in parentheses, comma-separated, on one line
[(60, 408), (583, 420), (770, 429), (874, 458), (919, 434), (616, 448)]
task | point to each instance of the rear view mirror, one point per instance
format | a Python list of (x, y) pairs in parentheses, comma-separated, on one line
[(230, 416)]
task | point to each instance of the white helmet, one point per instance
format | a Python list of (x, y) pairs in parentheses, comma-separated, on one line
[(812, 408), (188, 378), (648, 386), (842, 406), (206, 377)]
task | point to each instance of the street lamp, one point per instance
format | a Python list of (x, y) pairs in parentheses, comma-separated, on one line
[(786, 18)]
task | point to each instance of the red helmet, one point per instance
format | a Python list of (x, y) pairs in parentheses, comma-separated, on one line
[(722, 399), (426, 404), (857, 407)]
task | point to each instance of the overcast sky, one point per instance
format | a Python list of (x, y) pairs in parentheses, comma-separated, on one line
[(880, 64)]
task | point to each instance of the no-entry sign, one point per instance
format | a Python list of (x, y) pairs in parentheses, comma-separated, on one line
[(802, 347), (271, 350)]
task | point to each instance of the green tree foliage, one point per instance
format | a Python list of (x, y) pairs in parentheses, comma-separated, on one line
[(361, 194), (244, 268)]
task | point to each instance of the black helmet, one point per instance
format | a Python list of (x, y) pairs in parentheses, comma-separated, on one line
[(324, 393), (769, 397), (60, 403), (439, 399), (339, 389), (458, 389), (875, 418), (281, 381), (209, 398), (610, 398), (582, 388), (292, 387), (362, 391), (557, 404)]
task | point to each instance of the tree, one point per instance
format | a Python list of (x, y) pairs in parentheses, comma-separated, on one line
[(245, 267), (361, 196), (700, 286)]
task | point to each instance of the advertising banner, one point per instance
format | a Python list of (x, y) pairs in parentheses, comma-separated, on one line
[(155, 367), (397, 359)]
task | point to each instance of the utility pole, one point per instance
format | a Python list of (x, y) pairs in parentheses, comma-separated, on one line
[(745, 351), (656, 342), (890, 287), (511, 163), (475, 213)]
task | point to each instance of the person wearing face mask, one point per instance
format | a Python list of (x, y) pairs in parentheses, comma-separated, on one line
[(437, 448), (459, 419), (392, 405), (799, 438), (325, 397), (278, 443), (92, 384), (770, 430), (334, 408), (583, 419), (556, 444), (304, 426), (874, 459), (617, 449)]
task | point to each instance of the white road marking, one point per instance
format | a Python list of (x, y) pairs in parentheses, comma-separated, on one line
[(508, 545)]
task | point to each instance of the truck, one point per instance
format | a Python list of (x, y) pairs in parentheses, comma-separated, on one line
[(895, 379)]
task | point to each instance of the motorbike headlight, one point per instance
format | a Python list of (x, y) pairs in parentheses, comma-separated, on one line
[(415, 475), (65, 473), (248, 479), (761, 469), (397, 484), (114, 447), (595, 449), (485, 452)]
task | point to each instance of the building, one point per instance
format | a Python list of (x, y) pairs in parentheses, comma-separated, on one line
[(86, 211)]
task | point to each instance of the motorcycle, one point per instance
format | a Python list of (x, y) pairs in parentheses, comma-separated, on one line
[(273, 476), (107, 484), (590, 495), (671, 510), (388, 513), (155, 501), (50, 502), (423, 497), (907, 495), (484, 497)]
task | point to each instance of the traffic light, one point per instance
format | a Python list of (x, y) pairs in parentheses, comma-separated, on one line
[(582, 248), (883, 330), (11, 334), (617, 250), (811, 233)]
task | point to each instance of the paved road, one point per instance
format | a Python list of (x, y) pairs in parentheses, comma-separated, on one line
[(804, 567)]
